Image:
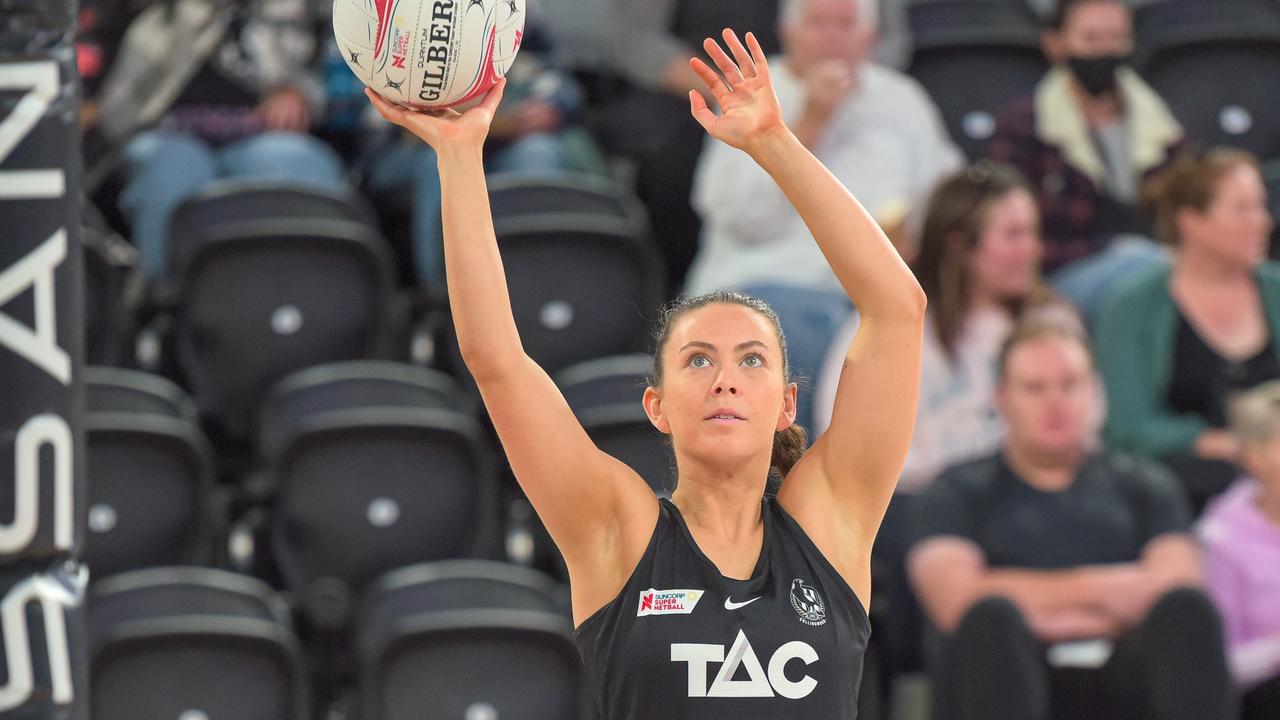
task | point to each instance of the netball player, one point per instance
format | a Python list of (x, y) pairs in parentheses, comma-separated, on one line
[(724, 601)]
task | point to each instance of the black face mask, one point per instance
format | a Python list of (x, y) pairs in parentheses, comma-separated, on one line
[(1097, 74)]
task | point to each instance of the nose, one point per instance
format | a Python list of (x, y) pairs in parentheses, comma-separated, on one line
[(724, 385)]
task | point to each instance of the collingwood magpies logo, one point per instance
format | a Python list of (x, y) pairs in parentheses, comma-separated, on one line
[(807, 603)]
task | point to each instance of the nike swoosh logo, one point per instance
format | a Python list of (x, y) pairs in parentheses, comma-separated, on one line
[(729, 604)]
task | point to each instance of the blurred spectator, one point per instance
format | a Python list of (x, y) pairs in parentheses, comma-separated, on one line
[(1089, 133), (535, 131), (875, 129), (1049, 554), (979, 266), (203, 89), (1241, 535), (649, 123), (1177, 342)]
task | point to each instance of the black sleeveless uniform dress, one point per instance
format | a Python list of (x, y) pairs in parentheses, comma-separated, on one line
[(683, 641)]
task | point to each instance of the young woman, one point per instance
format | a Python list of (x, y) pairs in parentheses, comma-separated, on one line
[(722, 602)]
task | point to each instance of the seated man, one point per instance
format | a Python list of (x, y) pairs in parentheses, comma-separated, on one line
[(207, 89), (1089, 134), (1051, 553), (874, 127)]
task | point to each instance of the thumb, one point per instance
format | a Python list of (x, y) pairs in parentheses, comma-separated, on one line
[(698, 108), (494, 96)]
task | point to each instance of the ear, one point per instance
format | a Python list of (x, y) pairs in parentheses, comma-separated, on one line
[(1052, 45), (653, 408), (1187, 220), (788, 414)]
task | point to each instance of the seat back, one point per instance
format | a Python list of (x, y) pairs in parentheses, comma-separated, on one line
[(489, 663), (580, 288), (974, 57), (150, 484), (264, 299), (605, 381), (192, 643), (1215, 65), (354, 384), (363, 491), (232, 201), (119, 390)]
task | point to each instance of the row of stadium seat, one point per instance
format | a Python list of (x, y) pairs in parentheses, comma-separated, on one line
[(467, 639), (362, 467), (267, 279)]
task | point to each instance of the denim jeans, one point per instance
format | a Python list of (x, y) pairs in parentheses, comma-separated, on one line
[(164, 168), (413, 163)]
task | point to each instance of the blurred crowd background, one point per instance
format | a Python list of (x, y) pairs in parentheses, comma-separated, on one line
[(282, 434)]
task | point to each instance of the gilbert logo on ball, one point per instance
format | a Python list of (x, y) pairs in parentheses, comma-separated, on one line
[(429, 54)]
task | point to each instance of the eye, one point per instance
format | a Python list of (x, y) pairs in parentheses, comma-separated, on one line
[(694, 361), (753, 360)]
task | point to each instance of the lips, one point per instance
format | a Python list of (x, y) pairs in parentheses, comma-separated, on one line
[(724, 415)]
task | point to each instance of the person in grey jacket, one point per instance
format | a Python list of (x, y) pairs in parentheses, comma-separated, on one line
[(206, 89)]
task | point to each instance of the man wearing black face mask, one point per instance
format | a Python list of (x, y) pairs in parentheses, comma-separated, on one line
[(1088, 136)]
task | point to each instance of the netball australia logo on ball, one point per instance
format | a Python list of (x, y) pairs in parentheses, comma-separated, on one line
[(808, 603)]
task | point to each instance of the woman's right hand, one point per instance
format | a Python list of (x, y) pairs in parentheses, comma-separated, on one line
[(446, 128)]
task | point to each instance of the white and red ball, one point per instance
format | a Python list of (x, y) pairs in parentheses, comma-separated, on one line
[(429, 54)]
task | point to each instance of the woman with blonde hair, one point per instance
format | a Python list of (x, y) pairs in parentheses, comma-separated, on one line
[(1241, 536)]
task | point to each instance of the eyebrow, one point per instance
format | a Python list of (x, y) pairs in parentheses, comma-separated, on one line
[(709, 346)]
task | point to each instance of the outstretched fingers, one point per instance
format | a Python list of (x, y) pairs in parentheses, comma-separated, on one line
[(714, 83), (389, 112), (745, 63), (731, 71), (757, 55)]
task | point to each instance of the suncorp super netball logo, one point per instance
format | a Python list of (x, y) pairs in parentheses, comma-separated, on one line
[(668, 602)]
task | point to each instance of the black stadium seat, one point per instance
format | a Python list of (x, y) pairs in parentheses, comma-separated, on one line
[(354, 384), (150, 485), (1216, 64), (581, 287), (260, 299), (973, 57), (186, 643), (361, 491), (118, 390), (469, 640), (240, 200), (606, 380), (605, 395), (522, 195)]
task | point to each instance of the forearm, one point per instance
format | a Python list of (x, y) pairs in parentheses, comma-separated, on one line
[(861, 256), (481, 307)]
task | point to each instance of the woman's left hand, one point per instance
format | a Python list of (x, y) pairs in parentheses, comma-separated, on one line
[(749, 109)]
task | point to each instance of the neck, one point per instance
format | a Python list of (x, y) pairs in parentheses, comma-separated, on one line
[(725, 504), (1048, 471), (1201, 267), (1097, 109)]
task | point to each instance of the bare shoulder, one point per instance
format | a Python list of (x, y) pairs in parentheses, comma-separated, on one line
[(806, 496), (598, 574)]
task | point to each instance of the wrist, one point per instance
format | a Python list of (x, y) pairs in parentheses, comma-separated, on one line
[(460, 153), (770, 143)]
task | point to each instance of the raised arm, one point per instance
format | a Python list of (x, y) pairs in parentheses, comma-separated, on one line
[(855, 465), (581, 494)]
